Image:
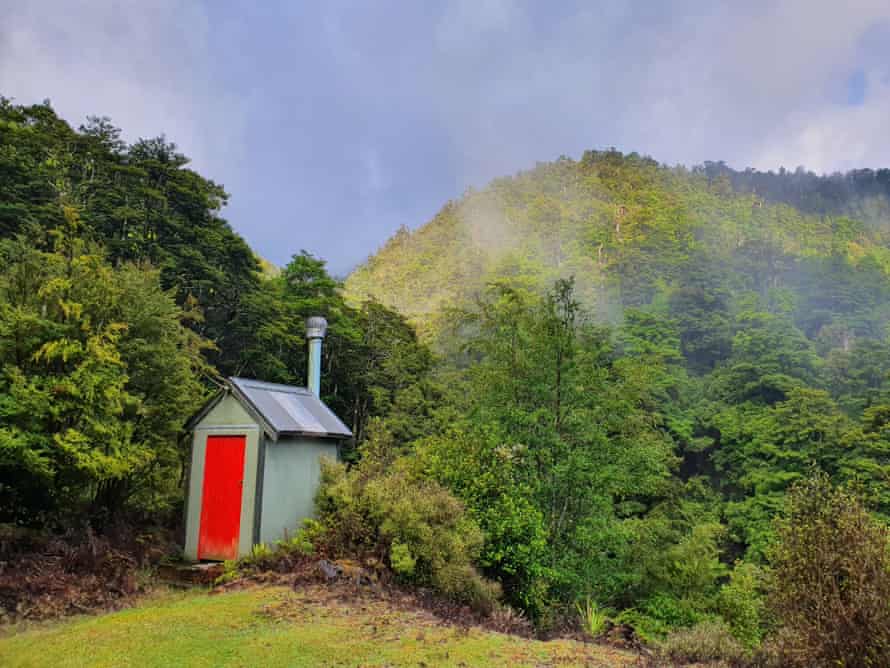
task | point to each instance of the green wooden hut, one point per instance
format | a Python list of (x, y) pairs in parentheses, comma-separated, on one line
[(256, 460)]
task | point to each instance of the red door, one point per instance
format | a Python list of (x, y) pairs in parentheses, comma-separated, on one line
[(221, 500)]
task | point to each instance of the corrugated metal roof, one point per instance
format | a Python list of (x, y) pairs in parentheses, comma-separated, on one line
[(290, 410)]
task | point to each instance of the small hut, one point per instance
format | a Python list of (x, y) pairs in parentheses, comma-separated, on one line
[(256, 459)]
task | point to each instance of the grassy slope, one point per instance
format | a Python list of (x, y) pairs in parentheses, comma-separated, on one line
[(278, 627)]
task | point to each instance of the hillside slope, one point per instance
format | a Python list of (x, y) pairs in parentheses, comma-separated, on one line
[(278, 627), (633, 232)]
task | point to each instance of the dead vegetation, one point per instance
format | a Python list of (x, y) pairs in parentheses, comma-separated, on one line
[(43, 576), (347, 581)]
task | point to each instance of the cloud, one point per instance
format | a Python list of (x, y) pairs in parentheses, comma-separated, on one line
[(144, 64), (334, 123), (837, 138), (746, 83)]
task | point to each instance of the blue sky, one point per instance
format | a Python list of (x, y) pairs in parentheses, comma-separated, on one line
[(333, 123)]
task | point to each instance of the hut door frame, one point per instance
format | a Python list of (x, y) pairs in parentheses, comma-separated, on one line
[(222, 492)]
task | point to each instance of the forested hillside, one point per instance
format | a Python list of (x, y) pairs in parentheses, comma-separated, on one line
[(636, 233), (647, 359)]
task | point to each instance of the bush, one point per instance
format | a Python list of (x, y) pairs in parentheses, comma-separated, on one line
[(593, 618), (401, 560), (709, 640), (831, 580), (393, 515), (648, 629), (741, 604), (672, 612), (691, 568)]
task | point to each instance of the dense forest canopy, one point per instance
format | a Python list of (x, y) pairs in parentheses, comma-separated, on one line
[(681, 344), (621, 367)]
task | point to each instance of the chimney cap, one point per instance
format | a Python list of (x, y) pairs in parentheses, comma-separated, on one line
[(316, 327)]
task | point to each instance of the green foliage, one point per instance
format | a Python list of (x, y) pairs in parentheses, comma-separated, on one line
[(830, 579), (391, 514), (302, 542), (747, 344), (741, 603), (664, 611), (98, 374), (555, 457), (401, 560), (649, 629), (142, 202), (634, 364), (282, 556), (373, 364), (124, 295), (593, 618), (231, 572), (632, 463), (691, 568)]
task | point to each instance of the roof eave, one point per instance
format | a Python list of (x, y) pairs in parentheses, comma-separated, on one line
[(255, 413), (315, 434)]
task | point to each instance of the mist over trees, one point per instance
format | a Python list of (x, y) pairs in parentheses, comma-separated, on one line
[(611, 372)]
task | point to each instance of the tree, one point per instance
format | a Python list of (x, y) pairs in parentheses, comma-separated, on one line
[(555, 448), (830, 580), (99, 373), (141, 202)]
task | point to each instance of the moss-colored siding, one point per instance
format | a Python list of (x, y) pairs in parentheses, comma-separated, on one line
[(291, 474), (228, 411)]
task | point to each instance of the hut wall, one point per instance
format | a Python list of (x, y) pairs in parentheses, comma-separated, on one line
[(291, 472)]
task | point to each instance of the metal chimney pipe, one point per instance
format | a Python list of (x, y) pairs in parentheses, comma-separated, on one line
[(316, 328)]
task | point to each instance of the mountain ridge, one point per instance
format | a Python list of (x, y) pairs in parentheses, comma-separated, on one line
[(631, 230)]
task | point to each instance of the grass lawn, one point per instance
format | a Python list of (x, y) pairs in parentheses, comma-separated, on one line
[(275, 626)]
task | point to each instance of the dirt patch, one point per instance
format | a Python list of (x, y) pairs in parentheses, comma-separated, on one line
[(43, 576)]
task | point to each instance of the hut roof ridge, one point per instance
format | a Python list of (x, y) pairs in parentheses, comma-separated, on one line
[(288, 410)]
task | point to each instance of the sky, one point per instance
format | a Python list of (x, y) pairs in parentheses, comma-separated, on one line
[(331, 124)]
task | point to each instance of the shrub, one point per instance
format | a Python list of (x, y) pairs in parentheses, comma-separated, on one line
[(401, 560), (741, 603), (303, 542), (648, 629), (709, 640), (462, 582), (691, 568), (396, 516), (831, 580), (593, 618), (672, 612)]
